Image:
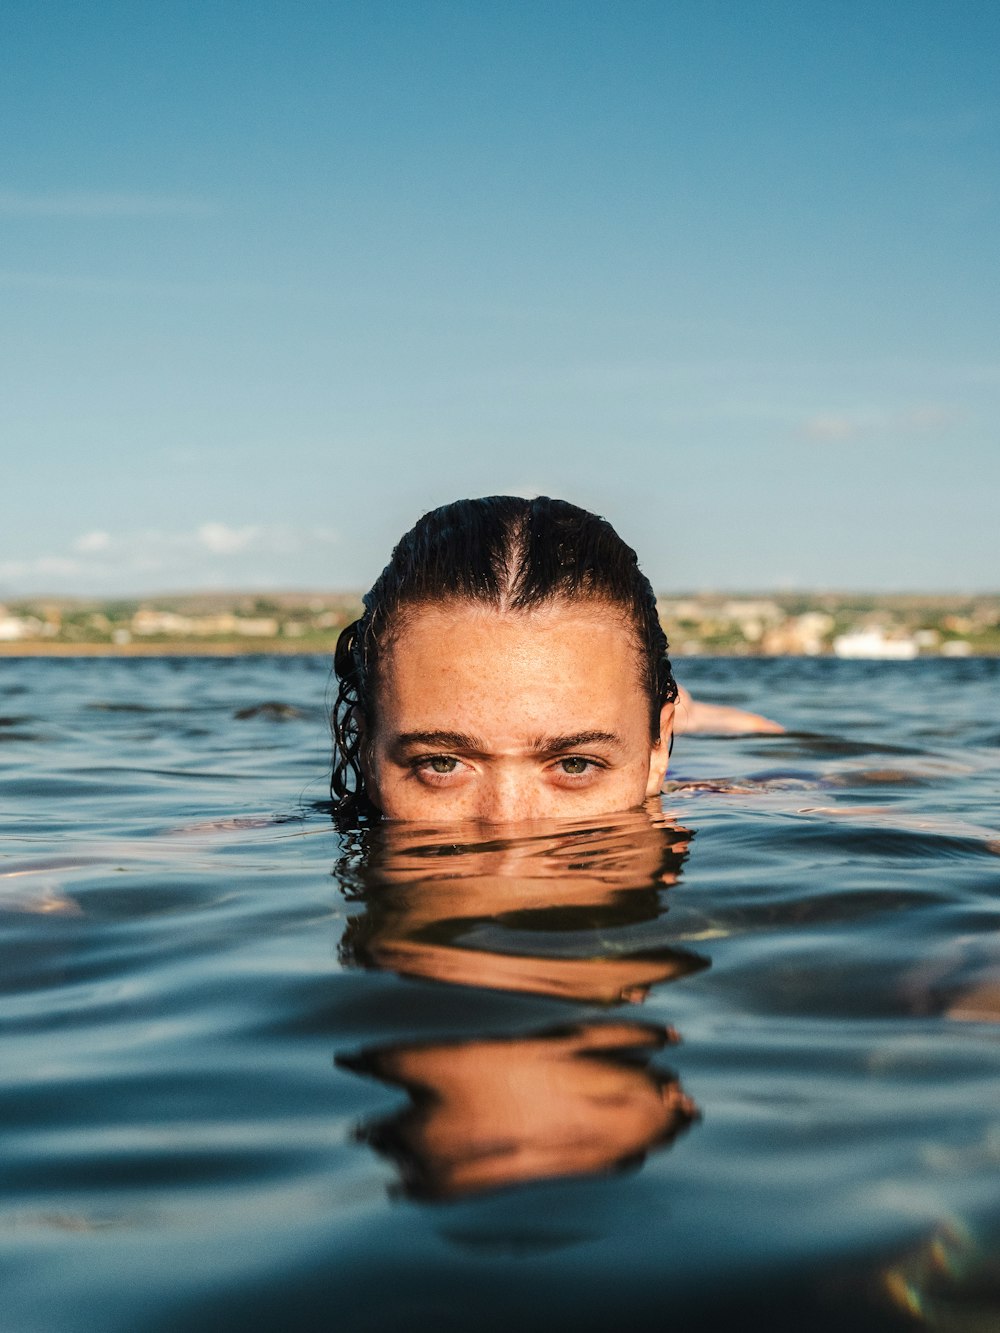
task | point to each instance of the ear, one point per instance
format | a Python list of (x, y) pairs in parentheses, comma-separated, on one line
[(659, 755)]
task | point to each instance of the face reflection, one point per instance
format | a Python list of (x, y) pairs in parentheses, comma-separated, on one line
[(548, 912), (502, 1112), (503, 716), (566, 910)]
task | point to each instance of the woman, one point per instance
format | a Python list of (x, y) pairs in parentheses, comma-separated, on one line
[(509, 665)]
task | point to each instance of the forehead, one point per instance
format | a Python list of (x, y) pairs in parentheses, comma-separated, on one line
[(562, 665)]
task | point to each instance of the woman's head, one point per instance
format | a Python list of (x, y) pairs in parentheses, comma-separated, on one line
[(510, 622)]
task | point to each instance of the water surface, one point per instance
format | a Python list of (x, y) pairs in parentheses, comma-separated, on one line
[(730, 1063)]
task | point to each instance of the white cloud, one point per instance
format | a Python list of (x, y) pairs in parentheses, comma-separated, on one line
[(89, 284), (830, 428), (212, 554), (221, 539), (58, 565), (92, 541), (46, 566), (101, 204), (328, 536), (931, 417), (921, 419)]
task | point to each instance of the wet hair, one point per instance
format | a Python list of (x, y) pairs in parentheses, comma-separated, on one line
[(502, 552)]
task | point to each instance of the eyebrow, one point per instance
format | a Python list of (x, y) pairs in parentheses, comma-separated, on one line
[(575, 741), (442, 740), (545, 745)]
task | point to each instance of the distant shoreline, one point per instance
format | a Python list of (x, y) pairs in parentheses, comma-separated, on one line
[(781, 624), (244, 649), (178, 649)]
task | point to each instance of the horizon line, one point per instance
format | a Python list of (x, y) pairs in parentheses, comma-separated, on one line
[(264, 592)]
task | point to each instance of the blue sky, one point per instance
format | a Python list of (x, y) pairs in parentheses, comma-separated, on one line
[(276, 277)]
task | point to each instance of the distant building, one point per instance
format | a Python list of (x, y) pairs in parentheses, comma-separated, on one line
[(805, 634), (872, 643), (741, 609), (13, 628), (149, 621), (263, 627)]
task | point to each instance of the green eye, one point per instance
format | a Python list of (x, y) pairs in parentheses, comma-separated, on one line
[(574, 766), (442, 763)]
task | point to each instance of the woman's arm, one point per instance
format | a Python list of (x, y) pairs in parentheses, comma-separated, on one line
[(717, 719)]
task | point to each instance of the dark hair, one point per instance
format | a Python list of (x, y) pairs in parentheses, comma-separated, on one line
[(503, 552)]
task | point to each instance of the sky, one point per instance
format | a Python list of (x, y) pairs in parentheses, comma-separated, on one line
[(276, 277)]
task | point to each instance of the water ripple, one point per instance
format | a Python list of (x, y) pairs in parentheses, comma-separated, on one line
[(729, 1064)]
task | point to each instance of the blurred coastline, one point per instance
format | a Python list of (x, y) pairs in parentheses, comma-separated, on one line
[(897, 626)]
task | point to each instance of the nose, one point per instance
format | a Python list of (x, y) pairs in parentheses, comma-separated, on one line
[(506, 798)]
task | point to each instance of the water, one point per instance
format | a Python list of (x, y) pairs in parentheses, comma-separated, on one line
[(734, 1065)]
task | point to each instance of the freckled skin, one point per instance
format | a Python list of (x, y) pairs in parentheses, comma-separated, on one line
[(514, 684)]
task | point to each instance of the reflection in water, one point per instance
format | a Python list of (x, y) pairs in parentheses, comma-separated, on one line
[(571, 912), (568, 911), (503, 1111)]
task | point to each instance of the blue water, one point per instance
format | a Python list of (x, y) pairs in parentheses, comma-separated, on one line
[(732, 1065)]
